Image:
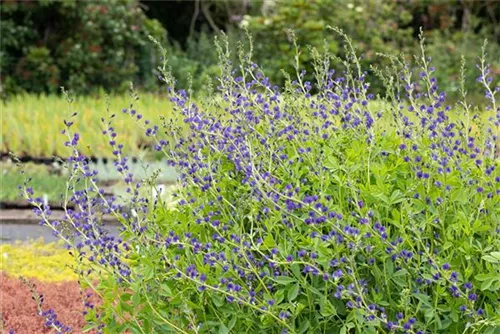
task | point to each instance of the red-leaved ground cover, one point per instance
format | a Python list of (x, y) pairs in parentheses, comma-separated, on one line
[(19, 310)]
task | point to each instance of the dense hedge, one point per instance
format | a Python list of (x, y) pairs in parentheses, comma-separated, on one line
[(84, 45)]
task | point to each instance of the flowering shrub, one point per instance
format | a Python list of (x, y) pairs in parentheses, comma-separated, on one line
[(336, 212)]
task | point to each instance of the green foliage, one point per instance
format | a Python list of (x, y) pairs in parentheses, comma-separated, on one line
[(197, 64), (80, 44), (448, 48), (374, 26), (377, 28), (302, 213), (37, 71), (31, 125), (50, 185)]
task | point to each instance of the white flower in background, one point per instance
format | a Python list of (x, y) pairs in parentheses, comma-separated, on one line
[(267, 7), (350, 5), (358, 9), (159, 190), (244, 22)]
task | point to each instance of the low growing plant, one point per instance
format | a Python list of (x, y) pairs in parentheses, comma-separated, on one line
[(301, 213)]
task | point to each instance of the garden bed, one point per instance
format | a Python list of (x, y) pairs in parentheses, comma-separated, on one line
[(19, 310)]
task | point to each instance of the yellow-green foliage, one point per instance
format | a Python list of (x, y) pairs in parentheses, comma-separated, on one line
[(48, 262), (32, 124)]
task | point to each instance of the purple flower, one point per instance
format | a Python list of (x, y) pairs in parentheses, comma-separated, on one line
[(284, 315)]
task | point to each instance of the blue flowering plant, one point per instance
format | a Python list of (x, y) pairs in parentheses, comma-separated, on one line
[(316, 207)]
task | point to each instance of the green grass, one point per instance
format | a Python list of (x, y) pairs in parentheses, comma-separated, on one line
[(42, 181), (31, 124), (50, 182)]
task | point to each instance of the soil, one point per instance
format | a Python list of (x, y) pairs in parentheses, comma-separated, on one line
[(19, 311)]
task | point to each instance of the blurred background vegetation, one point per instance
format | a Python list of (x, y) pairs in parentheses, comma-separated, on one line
[(88, 46)]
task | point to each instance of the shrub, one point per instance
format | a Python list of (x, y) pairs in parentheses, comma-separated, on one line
[(336, 212), (447, 49), (82, 44), (374, 26), (37, 71), (194, 66)]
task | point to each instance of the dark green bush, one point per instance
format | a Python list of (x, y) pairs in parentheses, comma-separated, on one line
[(452, 29), (84, 45), (375, 27)]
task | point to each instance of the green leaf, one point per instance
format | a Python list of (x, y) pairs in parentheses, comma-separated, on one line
[(136, 299), (489, 330), (165, 290), (285, 280), (148, 273), (217, 300), (429, 315), (304, 326), (396, 197), (293, 292), (279, 295), (299, 308), (269, 241), (493, 257), (232, 322), (390, 267), (401, 272), (454, 316), (296, 270), (369, 330), (424, 299), (459, 195), (396, 216), (223, 329), (487, 284), (484, 277)]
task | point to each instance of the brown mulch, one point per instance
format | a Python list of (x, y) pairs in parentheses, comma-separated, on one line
[(19, 311)]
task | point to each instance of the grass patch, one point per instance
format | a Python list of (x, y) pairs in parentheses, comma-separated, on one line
[(32, 124), (45, 183)]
